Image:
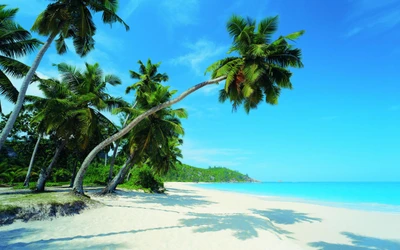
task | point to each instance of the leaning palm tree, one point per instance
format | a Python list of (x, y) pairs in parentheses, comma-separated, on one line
[(257, 72), (65, 19), (14, 42)]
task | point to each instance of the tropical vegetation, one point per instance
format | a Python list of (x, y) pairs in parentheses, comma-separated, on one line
[(49, 137), (187, 173)]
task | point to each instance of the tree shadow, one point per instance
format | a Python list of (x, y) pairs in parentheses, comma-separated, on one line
[(175, 190), (8, 236), (102, 246), (43, 244), (145, 208), (172, 200), (244, 226), (359, 243), (285, 217)]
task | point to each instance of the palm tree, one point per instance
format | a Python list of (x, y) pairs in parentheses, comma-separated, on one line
[(14, 42), (65, 19), (72, 109), (167, 160), (123, 121), (151, 141), (147, 76), (151, 137), (52, 119), (260, 68)]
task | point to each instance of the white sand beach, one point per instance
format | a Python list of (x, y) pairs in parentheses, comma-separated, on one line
[(193, 218)]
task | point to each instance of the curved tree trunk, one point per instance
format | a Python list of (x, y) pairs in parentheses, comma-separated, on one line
[(28, 174), (23, 89), (78, 184), (44, 173), (110, 188)]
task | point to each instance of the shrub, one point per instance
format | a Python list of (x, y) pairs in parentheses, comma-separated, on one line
[(144, 178)]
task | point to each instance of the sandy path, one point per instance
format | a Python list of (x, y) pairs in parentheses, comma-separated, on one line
[(193, 218)]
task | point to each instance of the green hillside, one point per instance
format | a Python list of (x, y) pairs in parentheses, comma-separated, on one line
[(186, 173)]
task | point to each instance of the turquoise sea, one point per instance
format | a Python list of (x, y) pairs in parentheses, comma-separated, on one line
[(378, 196)]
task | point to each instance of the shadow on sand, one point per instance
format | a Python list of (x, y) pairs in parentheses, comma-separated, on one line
[(359, 243), (184, 191), (244, 226), (168, 200), (285, 217), (11, 235)]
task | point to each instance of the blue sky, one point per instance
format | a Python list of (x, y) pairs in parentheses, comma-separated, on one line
[(341, 122)]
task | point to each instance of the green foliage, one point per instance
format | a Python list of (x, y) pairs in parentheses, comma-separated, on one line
[(61, 174), (260, 67), (73, 19), (186, 173), (156, 139), (97, 174), (14, 42), (144, 178)]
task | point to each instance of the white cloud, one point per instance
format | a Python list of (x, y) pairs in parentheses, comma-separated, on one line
[(210, 156), (373, 16), (201, 52), (206, 156)]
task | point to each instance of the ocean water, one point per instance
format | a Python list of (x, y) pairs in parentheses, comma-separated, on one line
[(377, 196)]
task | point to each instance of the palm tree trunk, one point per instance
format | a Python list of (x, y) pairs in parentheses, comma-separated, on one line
[(115, 152), (28, 174), (78, 184), (110, 173), (23, 89), (71, 184), (110, 188), (44, 173)]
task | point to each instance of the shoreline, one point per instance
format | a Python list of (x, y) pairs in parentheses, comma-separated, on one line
[(361, 206), (189, 217)]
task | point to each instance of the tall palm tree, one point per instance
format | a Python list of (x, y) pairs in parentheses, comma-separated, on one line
[(14, 42), (53, 119), (151, 136), (259, 70), (72, 109), (65, 19), (148, 78)]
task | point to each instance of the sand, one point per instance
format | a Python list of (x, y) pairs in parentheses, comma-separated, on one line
[(193, 218)]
